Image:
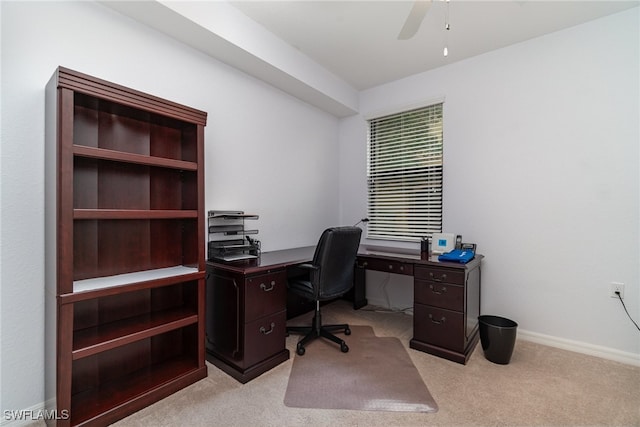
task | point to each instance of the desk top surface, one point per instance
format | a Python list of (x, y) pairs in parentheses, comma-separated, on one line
[(288, 257), (268, 260)]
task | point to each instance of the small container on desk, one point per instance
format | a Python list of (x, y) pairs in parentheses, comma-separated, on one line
[(425, 248)]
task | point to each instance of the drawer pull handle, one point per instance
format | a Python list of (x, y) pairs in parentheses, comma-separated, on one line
[(437, 322), (264, 287), (441, 279), (443, 289), (263, 330)]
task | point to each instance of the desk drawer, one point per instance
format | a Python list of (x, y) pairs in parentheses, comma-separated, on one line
[(265, 294), (443, 295), (439, 327), (396, 267), (438, 274), (264, 338)]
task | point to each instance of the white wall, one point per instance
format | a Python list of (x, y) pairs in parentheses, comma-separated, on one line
[(266, 152), (541, 170)]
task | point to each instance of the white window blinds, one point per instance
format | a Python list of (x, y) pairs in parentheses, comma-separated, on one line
[(404, 175)]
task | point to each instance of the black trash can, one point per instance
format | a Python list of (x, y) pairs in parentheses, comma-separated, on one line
[(498, 337)]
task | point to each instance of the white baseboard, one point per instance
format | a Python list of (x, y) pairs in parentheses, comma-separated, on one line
[(581, 347)]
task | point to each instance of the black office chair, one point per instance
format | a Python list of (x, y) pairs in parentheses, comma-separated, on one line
[(330, 275)]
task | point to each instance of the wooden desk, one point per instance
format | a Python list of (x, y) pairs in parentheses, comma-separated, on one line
[(246, 305)]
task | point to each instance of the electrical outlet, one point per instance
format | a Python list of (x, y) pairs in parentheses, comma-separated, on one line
[(617, 287)]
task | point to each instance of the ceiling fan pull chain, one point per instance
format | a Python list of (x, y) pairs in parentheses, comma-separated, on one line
[(447, 27)]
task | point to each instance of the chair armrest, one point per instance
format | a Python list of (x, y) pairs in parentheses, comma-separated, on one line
[(314, 275), (309, 267)]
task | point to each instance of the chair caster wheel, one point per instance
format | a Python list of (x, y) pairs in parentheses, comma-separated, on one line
[(300, 351), (344, 348), (347, 331)]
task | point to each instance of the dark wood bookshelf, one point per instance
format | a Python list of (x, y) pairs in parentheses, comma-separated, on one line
[(125, 247)]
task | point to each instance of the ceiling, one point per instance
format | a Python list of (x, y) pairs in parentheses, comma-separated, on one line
[(358, 40), (325, 52)]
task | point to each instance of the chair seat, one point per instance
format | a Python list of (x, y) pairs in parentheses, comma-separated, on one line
[(304, 288)]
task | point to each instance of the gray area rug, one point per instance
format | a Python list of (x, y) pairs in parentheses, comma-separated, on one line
[(376, 374)]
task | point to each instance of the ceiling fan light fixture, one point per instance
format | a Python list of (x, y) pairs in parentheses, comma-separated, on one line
[(447, 27)]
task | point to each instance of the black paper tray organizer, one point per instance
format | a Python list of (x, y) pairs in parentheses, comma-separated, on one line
[(229, 239)]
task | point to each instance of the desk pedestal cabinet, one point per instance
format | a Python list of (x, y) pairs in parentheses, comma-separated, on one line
[(246, 321), (446, 298), (446, 309)]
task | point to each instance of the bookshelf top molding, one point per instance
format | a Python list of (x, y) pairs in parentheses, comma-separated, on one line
[(93, 86)]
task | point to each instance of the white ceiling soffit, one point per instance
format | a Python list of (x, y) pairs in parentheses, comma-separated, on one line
[(324, 52), (223, 32)]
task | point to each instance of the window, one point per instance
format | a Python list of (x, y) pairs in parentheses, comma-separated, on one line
[(404, 175)]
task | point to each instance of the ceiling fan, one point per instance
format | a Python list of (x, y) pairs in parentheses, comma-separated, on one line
[(415, 18)]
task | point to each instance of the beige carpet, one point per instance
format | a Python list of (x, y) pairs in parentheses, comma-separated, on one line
[(542, 386), (375, 375)]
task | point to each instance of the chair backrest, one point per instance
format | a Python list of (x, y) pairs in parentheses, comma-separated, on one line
[(336, 256)]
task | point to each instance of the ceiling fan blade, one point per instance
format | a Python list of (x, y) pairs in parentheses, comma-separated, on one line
[(416, 15)]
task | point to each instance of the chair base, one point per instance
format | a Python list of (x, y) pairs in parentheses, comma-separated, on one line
[(319, 330)]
